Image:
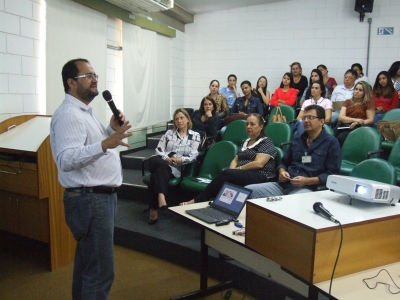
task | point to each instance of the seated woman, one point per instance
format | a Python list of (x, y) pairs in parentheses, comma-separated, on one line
[(254, 162), (329, 82), (263, 94), (315, 76), (221, 106), (394, 72), (317, 97), (385, 96), (285, 94), (248, 103), (299, 81), (230, 92), (175, 147), (358, 111), (359, 69), (205, 119)]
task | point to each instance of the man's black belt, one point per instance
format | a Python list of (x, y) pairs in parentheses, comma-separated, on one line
[(96, 190)]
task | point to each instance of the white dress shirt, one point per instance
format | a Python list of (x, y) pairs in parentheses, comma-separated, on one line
[(75, 138)]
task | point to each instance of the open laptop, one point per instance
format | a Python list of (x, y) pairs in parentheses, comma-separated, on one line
[(227, 205)]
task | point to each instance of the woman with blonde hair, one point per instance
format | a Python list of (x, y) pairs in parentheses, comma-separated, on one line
[(356, 112), (176, 146)]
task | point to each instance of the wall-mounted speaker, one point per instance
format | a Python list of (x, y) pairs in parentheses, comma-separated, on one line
[(364, 6)]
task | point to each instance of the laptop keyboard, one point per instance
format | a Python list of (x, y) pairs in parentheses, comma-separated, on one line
[(220, 215)]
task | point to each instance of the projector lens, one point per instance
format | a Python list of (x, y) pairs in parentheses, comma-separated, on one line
[(360, 189)]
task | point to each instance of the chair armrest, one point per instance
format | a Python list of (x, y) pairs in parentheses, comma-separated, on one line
[(284, 144), (145, 162), (321, 187), (373, 152)]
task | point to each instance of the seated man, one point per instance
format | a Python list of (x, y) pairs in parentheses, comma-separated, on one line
[(310, 159), (342, 92)]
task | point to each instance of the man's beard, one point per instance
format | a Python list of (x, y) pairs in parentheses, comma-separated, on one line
[(86, 94)]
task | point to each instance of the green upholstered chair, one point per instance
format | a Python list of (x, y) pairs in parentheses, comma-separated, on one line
[(328, 129), (235, 132), (391, 115), (394, 159), (288, 111), (280, 134), (375, 169), (361, 144), (218, 157), (278, 159)]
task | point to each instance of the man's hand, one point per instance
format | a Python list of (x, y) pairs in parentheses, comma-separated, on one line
[(299, 181), (284, 176), (116, 138), (114, 122)]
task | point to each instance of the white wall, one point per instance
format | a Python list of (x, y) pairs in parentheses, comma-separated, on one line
[(250, 42), (265, 39), (21, 58)]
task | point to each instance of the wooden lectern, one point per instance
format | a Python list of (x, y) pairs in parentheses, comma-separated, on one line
[(31, 198)]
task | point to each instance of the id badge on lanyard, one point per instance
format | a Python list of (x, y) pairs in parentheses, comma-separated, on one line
[(306, 159)]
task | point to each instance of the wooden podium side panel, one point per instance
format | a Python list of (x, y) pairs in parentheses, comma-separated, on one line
[(62, 243), (284, 242), (365, 246)]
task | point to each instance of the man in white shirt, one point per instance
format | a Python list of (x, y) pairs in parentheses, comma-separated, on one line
[(90, 170), (342, 93)]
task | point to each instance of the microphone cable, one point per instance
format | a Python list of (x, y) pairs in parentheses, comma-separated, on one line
[(337, 257)]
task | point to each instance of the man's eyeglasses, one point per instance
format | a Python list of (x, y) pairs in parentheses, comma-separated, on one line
[(309, 118), (89, 76)]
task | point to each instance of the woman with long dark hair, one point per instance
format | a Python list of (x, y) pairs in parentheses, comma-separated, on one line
[(329, 82), (205, 120), (221, 105), (262, 93), (384, 95), (285, 94), (316, 75), (394, 72), (254, 162)]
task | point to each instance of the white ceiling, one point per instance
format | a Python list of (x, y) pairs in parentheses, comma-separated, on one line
[(203, 6)]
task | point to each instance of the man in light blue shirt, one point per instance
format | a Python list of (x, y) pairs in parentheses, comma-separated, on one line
[(343, 92)]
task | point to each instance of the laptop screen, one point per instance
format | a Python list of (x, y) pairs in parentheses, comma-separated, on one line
[(231, 198)]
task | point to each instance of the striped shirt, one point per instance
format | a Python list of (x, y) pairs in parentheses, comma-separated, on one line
[(75, 138), (172, 145)]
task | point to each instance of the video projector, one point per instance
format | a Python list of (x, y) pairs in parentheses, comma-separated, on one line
[(364, 189)]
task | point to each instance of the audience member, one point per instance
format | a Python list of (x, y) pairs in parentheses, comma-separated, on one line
[(89, 168), (385, 96), (317, 97), (285, 94), (253, 164), (176, 146), (205, 120), (360, 75), (248, 103), (309, 160), (263, 94), (230, 92), (341, 93), (315, 76), (358, 111), (299, 81), (221, 108), (329, 82), (394, 72)]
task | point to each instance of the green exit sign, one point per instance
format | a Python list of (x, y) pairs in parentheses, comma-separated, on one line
[(385, 30)]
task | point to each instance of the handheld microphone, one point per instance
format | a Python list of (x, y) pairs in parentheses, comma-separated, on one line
[(320, 209), (107, 96)]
